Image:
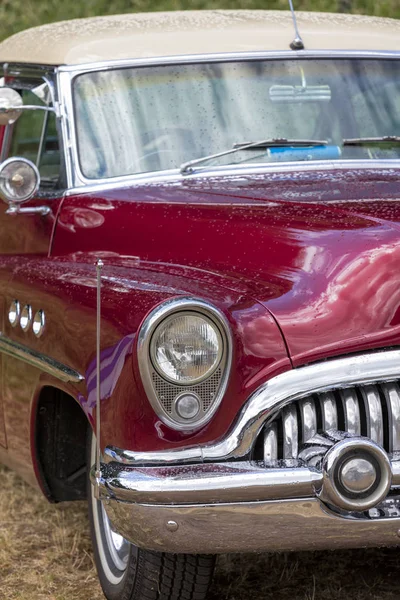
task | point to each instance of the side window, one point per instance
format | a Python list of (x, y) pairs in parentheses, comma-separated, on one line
[(34, 137)]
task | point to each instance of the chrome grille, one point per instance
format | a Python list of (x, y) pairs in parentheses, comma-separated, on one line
[(372, 411)]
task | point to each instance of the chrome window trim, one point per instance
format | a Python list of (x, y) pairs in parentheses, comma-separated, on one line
[(65, 75), (150, 324), (269, 399), (37, 359)]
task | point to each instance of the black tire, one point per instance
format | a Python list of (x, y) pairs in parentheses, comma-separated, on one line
[(127, 572)]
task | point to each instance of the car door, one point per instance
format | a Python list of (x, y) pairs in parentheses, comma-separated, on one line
[(25, 237)]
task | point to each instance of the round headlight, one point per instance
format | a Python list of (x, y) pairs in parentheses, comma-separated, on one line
[(186, 348)]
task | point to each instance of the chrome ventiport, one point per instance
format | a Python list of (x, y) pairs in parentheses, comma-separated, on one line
[(357, 475), (14, 313), (39, 323), (26, 317)]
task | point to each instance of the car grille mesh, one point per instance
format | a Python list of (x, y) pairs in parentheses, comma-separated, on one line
[(372, 411), (206, 390)]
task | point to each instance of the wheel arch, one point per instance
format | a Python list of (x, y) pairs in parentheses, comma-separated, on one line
[(59, 437)]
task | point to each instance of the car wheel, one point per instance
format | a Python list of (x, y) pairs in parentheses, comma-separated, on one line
[(127, 572)]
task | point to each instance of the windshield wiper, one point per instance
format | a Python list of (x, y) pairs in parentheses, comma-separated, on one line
[(370, 141), (187, 167)]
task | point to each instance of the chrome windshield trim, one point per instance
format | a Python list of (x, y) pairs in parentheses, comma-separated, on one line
[(174, 175), (270, 398), (225, 56), (41, 361), (67, 73)]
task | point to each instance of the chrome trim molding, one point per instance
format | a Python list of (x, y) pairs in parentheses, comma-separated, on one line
[(284, 525), (165, 310), (39, 360), (270, 398), (244, 481), (245, 170), (224, 57), (212, 483)]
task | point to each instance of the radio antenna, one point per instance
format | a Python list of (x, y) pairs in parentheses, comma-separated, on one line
[(297, 43), (99, 266)]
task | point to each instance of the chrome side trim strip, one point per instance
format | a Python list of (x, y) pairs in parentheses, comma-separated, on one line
[(272, 397), (41, 361)]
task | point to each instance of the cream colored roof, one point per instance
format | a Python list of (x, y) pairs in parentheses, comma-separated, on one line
[(145, 35)]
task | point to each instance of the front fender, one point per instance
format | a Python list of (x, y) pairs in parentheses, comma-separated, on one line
[(65, 288)]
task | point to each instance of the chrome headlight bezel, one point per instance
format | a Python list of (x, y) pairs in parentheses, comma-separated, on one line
[(218, 375)]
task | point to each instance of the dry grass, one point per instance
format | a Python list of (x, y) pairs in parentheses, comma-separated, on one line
[(44, 549), (45, 555)]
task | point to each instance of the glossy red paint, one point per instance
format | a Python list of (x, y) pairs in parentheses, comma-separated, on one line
[(320, 251), (65, 289)]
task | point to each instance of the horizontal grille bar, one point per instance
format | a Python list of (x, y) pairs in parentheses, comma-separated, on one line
[(372, 411)]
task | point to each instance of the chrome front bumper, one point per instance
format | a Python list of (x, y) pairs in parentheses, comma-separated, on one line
[(234, 507), (213, 499)]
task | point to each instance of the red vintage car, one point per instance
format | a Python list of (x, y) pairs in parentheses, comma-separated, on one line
[(200, 289)]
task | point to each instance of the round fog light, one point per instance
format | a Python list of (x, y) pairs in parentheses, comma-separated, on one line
[(187, 406), (358, 475)]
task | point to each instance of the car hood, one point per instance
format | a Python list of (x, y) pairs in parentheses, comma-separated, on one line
[(328, 266), (319, 249)]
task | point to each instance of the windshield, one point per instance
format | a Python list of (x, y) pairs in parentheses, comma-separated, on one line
[(142, 119)]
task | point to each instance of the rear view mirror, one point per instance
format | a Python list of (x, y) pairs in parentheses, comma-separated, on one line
[(300, 93), (10, 106)]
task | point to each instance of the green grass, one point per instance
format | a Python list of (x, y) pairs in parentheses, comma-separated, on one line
[(20, 14)]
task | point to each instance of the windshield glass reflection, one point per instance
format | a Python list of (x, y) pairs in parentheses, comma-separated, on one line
[(137, 120)]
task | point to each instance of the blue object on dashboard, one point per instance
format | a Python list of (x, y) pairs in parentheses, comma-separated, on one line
[(291, 153)]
